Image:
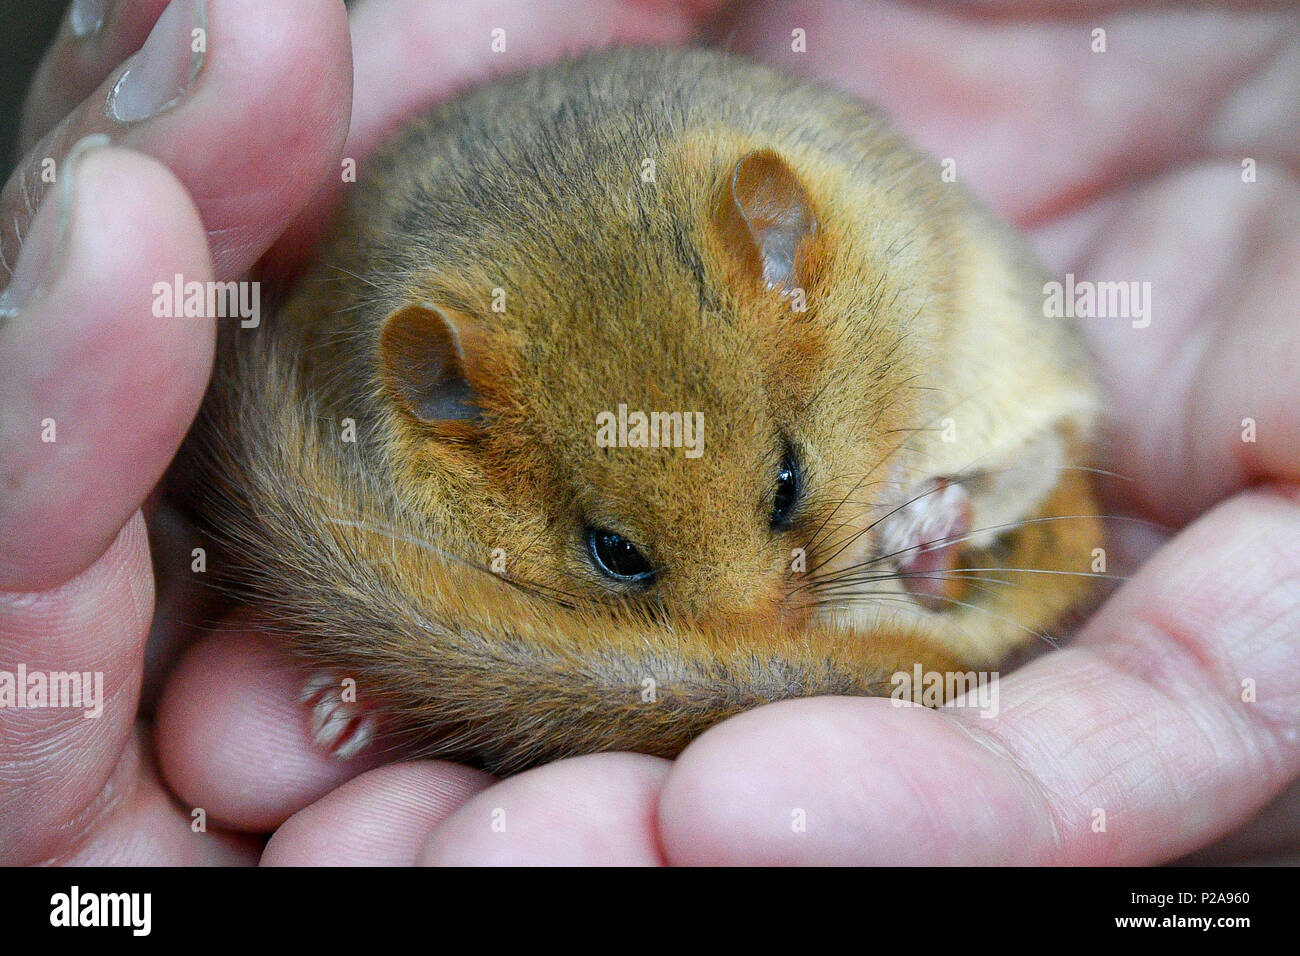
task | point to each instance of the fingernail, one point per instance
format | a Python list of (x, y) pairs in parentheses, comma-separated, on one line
[(46, 243), (166, 66), (87, 16)]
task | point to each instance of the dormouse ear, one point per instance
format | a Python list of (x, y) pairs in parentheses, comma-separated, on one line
[(426, 353), (765, 216)]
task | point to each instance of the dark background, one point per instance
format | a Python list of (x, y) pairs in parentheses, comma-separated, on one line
[(26, 28)]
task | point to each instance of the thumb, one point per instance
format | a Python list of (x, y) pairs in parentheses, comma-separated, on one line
[(95, 395)]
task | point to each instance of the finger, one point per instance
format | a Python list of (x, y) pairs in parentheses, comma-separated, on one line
[(410, 53), (380, 818), (233, 738), (258, 81), (95, 391), (116, 390), (1035, 118), (1133, 746), (1202, 392), (597, 810), (96, 36)]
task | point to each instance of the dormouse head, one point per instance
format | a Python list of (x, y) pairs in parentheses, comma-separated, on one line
[(712, 397)]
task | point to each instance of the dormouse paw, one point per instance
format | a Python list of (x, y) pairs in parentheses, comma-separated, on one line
[(340, 726), (925, 537)]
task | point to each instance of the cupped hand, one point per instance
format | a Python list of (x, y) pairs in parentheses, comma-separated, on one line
[(1169, 722)]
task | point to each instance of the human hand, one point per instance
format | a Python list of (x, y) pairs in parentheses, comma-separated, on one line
[(1141, 717)]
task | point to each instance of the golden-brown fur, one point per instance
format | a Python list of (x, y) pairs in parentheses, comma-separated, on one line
[(922, 353)]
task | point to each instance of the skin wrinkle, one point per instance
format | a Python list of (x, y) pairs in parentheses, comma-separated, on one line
[(1218, 670), (1177, 705), (1107, 780), (70, 607), (1278, 729), (1166, 629), (1045, 815), (1044, 802), (118, 789), (66, 739), (350, 820), (1186, 704), (114, 842)]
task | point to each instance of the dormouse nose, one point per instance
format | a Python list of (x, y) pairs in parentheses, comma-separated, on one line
[(763, 602)]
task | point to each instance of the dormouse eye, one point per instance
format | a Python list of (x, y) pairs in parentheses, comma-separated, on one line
[(617, 557), (789, 486)]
